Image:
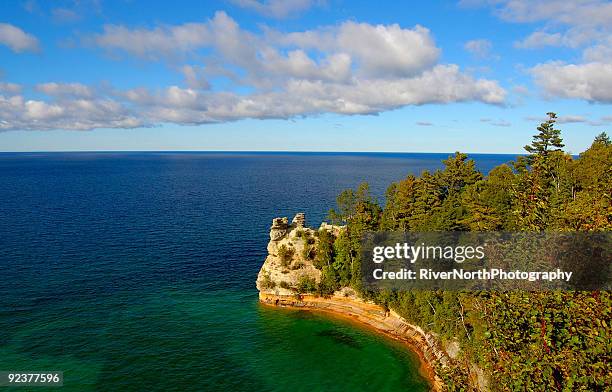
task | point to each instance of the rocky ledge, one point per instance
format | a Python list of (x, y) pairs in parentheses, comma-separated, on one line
[(289, 265)]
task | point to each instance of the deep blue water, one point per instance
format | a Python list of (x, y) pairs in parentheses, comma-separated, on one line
[(137, 270)]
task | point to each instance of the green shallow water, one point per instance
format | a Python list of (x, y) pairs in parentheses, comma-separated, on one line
[(182, 339)]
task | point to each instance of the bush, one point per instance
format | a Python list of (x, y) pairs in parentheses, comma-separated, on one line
[(267, 282), (285, 254), (306, 284), (329, 281), (284, 285), (309, 252)]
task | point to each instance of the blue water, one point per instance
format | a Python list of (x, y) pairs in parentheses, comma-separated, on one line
[(136, 271)]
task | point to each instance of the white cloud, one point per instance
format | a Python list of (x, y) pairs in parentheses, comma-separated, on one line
[(424, 123), (573, 119), (589, 81), (74, 114), (521, 90), (65, 89), (389, 50), (155, 43), (600, 52), (578, 24), (277, 8), (195, 77), (540, 39), (10, 88), (576, 12), (351, 68), (17, 39)]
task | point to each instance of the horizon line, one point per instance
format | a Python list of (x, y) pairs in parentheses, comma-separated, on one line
[(255, 151)]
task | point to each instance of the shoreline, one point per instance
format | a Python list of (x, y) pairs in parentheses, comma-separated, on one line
[(375, 318)]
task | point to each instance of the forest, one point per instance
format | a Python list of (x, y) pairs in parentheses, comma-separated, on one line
[(524, 341)]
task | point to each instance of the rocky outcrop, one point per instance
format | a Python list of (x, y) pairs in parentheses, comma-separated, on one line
[(289, 264), (278, 229)]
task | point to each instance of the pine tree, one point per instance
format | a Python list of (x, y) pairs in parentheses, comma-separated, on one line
[(602, 138), (548, 138)]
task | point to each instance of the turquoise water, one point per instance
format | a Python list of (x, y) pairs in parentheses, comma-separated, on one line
[(136, 272)]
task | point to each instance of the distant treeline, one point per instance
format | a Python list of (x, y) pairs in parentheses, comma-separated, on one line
[(525, 341)]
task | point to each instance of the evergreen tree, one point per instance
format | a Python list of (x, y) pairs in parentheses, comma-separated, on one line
[(602, 138), (548, 138)]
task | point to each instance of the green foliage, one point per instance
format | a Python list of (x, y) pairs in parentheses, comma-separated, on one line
[(329, 281), (306, 284), (283, 284), (308, 252), (547, 139), (285, 255), (325, 249), (267, 282), (526, 341)]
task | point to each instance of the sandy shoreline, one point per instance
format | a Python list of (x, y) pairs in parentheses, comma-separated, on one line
[(373, 317)]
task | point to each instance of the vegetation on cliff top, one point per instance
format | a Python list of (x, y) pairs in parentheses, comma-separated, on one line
[(557, 341)]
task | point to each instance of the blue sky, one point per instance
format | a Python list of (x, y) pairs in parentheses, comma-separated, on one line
[(305, 75)]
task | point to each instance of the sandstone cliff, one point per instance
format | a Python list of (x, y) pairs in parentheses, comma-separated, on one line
[(289, 265)]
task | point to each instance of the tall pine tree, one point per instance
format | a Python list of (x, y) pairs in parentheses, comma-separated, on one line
[(548, 139)]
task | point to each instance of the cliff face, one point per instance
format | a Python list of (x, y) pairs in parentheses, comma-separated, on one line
[(290, 256), (289, 265)]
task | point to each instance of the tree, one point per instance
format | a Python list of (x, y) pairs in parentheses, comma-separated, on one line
[(548, 138), (325, 249), (602, 138)]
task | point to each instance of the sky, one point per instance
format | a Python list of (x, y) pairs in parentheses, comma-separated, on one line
[(302, 75)]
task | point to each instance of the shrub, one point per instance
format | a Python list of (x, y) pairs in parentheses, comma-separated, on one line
[(284, 285), (306, 284), (329, 282), (308, 253), (285, 254), (267, 282)]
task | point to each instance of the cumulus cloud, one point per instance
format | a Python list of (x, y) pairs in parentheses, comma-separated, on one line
[(576, 12), (589, 81), (350, 68), (569, 23), (540, 39), (16, 39), (277, 8), (65, 89), (10, 88), (579, 24), (76, 114), (195, 77)]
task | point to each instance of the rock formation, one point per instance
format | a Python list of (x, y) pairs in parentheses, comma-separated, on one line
[(287, 265), (299, 220), (278, 229)]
